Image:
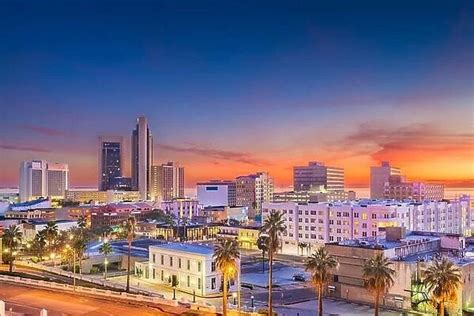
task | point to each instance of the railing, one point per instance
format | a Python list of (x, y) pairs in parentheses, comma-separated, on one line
[(140, 295)]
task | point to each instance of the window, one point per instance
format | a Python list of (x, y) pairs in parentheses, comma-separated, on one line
[(199, 283), (189, 265), (364, 234), (162, 276), (162, 260), (364, 215), (199, 266), (213, 266), (188, 281), (356, 215), (374, 216), (213, 283), (154, 273), (171, 261), (154, 258), (179, 263)]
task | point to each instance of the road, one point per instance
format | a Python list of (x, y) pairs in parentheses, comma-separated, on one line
[(31, 300)]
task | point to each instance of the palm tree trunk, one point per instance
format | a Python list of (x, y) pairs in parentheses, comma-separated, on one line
[(105, 268), (270, 283), (10, 267), (224, 295), (441, 308), (320, 300), (263, 262), (128, 266), (377, 296)]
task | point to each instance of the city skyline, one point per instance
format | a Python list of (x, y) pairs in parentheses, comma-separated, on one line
[(230, 91)]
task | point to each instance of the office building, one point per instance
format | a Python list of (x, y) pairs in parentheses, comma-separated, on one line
[(188, 267), (100, 197), (39, 178), (121, 183), (418, 191), (316, 176), (110, 161), (217, 193), (379, 176), (142, 158), (310, 196), (253, 190), (181, 208), (167, 182)]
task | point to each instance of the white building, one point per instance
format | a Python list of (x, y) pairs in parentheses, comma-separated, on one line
[(39, 178), (181, 208), (189, 267), (142, 158), (217, 193), (319, 223)]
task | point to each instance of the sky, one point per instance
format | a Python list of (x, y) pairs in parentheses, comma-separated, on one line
[(236, 87)]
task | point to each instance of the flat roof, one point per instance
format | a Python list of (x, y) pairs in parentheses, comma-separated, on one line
[(182, 247)]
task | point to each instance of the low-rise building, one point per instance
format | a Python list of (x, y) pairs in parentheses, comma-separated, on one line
[(188, 267), (188, 231), (117, 213), (32, 227), (101, 197), (45, 213), (246, 236), (181, 208), (41, 203), (217, 193), (313, 196)]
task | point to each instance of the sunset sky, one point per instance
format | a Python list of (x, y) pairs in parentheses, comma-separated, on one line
[(235, 88)]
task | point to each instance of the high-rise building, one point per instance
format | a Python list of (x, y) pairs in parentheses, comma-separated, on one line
[(142, 157), (110, 161), (379, 175), (253, 190), (316, 176), (39, 178), (167, 182)]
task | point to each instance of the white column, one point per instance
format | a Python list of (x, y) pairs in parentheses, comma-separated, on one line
[(2, 308), (44, 312)]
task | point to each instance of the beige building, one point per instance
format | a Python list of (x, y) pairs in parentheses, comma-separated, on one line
[(167, 182), (254, 190), (102, 197)]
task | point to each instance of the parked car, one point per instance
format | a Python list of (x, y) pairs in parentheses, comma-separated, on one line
[(299, 277)]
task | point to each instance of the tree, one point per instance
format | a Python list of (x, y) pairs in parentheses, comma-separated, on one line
[(129, 231), (378, 276), (12, 237), (273, 227), (106, 250), (226, 255), (320, 265), (82, 223), (51, 233), (80, 249), (442, 279), (262, 244), (39, 243)]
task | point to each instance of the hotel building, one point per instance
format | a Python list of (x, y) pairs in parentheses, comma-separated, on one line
[(110, 161), (253, 190), (189, 267), (379, 175), (167, 182)]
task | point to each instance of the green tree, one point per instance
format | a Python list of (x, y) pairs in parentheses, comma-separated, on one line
[(79, 245), (39, 244), (129, 231), (12, 238), (106, 250), (320, 265), (226, 255), (378, 277), (51, 233), (273, 227), (442, 279)]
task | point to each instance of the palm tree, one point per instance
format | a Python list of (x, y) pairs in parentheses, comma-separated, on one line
[(12, 236), (82, 223), (262, 244), (272, 227), (320, 265), (105, 249), (378, 276), (80, 248), (226, 255), (129, 230), (51, 233), (442, 279), (39, 243)]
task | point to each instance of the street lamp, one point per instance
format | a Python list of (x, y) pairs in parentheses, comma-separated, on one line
[(106, 262), (234, 295), (71, 237), (174, 292), (252, 298)]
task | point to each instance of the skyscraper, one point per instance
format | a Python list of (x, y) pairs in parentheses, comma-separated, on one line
[(110, 161), (142, 157), (316, 177), (253, 190), (167, 182), (379, 175), (39, 178)]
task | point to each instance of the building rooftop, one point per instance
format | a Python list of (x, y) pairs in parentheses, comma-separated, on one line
[(182, 247), (30, 203)]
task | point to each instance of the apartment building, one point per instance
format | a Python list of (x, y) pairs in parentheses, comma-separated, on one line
[(181, 208)]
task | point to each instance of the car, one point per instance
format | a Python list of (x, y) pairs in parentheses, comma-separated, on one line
[(299, 277)]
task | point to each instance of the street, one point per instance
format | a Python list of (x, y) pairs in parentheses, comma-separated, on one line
[(31, 300)]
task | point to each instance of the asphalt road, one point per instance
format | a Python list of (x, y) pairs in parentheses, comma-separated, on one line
[(30, 301)]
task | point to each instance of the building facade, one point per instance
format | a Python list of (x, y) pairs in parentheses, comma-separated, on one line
[(39, 178), (319, 223), (110, 161), (115, 214), (253, 190), (142, 158), (167, 182), (181, 208), (379, 175), (309, 196), (316, 176), (418, 191), (217, 193), (189, 267)]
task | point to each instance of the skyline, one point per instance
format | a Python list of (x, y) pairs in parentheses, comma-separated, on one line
[(231, 91)]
